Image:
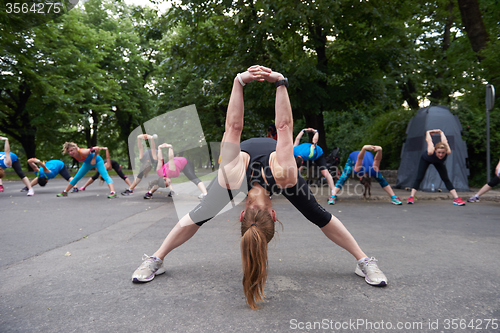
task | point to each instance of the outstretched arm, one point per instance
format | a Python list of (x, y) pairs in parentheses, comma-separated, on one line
[(361, 156), (45, 169), (108, 159), (32, 163), (315, 136), (378, 158), (298, 137), (283, 165), (430, 144), (233, 163), (445, 141), (139, 144), (153, 146), (171, 162), (159, 163)]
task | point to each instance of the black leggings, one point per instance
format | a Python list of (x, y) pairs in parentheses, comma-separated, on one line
[(300, 196), (441, 169), (16, 165), (65, 173), (116, 166)]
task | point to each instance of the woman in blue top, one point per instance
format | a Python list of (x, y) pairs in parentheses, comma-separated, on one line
[(47, 170), (436, 155), (365, 165), (10, 160), (90, 159)]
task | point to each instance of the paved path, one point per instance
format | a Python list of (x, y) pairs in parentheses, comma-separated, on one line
[(66, 263)]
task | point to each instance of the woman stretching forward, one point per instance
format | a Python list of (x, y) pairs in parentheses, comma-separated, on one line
[(109, 164), (90, 160), (435, 155), (172, 169)]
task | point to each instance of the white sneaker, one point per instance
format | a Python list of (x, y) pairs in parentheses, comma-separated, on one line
[(370, 271), (202, 196), (30, 192), (149, 268)]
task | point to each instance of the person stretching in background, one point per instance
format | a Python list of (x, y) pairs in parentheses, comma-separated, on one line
[(492, 183), (436, 155), (172, 169), (148, 161), (365, 165), (258, 167), (10, 160), (90, 159), (44, 171), (110, 164), (313, 152)]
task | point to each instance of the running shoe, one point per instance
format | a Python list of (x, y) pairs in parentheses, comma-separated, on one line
[(1, 188), (30, 193), (474, 198), (370, 271), (75, 189), (148, 195), (24, 189), (171, 193), (332, 199), (458, 202), (202, 196), (396, 201), (62, 194), (411, 200), (128, 192), (149, 268), (113, 196), (81, 189)]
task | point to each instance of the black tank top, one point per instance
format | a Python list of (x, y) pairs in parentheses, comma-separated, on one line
[(433, 158), (259, 150)]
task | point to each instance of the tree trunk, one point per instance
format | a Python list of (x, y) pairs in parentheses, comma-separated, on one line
[(19, 125), (474, 25), (315, 119), (408, 91)]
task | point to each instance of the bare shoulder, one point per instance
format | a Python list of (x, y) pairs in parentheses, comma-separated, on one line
[(284, 175)]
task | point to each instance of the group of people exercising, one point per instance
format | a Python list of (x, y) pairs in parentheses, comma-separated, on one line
[(44, 171), (258, 167)]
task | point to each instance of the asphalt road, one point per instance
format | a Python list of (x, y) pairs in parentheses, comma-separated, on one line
[(66, 266)]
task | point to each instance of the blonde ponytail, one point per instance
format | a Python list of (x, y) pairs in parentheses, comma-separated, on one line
[(257, 229)]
